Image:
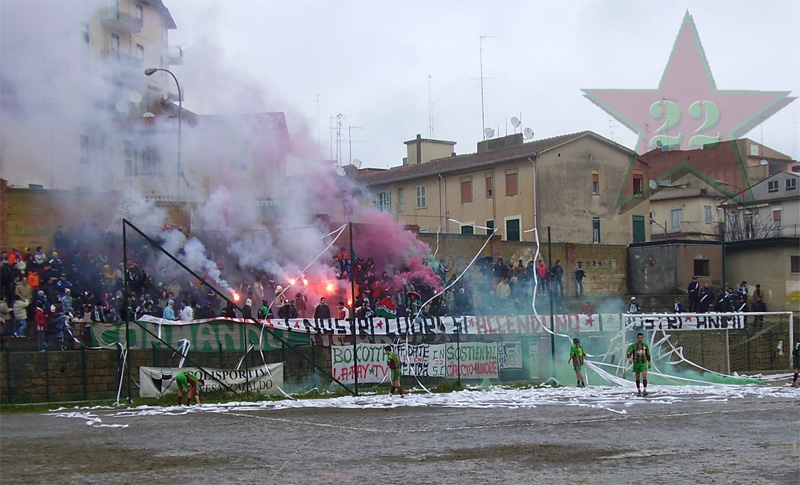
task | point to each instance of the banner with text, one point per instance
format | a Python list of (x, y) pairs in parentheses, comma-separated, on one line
[(473, 360), (265, 379)]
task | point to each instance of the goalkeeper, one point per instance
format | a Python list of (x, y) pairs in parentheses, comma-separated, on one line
[(639, 355), (395, 368)]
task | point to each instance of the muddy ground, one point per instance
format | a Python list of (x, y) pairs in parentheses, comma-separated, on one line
[(699, 439)]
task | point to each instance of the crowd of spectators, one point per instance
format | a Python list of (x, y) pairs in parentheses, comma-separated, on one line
[(82, 279)]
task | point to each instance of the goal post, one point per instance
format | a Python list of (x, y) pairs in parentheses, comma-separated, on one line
[(723, 343)]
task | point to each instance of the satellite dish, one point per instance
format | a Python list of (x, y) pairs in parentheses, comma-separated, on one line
[(488, 132), (356, 163), (653, 184), (659, 144), (528, 133), (121, 106), (515, 121), (148, 114), (764, 161), (340, 171), (135, 96)]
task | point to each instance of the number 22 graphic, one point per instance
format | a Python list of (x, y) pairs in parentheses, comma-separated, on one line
[(674, 117)]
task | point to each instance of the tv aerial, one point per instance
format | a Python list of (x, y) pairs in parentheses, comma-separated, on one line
[(528, 133), (488, 132)]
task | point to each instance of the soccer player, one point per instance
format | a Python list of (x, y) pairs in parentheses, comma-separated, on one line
[(190, 382), (576, 356), (639, 356), (796, 363), (395, 368)]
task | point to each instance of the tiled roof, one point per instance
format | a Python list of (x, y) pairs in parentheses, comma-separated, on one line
[(462, 162)]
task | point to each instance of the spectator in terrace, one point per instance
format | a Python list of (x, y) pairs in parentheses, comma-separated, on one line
[(322, 310), (587, 308), (187, 314), (169, 311)]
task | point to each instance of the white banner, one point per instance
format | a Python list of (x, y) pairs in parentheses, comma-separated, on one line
[(477, 361), (696, 322), (265, 379), (394, 327)]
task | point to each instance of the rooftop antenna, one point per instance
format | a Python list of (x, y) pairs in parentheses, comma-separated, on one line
[(527, 133), (483, 111), (350, 140), (430, 109), (611, 127)]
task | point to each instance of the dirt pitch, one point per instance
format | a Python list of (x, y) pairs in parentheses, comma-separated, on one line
[(748, 438)]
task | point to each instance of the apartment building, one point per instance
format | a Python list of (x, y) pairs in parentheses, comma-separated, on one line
[(570, 182), (70, 71)]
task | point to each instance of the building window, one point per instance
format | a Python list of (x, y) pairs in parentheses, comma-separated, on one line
[(708, 218), (85, 34), (772, 186), (489, 187), (638, 229), (115, 46), (139, 15), (466, 191), (595, 182), (791, 184), (676, 217), (795, 264), (150, 163), (130, 159), (422, 201), (383, 201), (140, 54), (467, 229), (513, 232), (489, 226), (84, 150), (511, 183), (596, 230), (701, 267), (638, 184), (776, 222), (400, 201)]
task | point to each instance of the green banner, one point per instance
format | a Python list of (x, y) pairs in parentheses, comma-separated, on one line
[(202, 337)]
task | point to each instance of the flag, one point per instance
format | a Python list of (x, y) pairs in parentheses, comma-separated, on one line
[(386, 308)]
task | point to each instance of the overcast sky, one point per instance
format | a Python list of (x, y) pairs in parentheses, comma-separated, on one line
[(396, 69)]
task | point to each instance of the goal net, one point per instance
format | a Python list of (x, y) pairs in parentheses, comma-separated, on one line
[(707, 347)]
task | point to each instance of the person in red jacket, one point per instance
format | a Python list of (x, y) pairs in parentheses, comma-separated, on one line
[(40, 327)]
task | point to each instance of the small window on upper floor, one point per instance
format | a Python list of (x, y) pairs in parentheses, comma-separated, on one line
[(791, 184), (466, 191), (772, 186), (489, 187), (511, 183), (595, 182)]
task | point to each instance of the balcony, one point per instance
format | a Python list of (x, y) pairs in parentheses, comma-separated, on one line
[(175, 56), (761, 231), (113, 19)]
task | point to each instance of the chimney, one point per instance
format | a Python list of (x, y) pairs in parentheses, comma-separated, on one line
[(419, 148)]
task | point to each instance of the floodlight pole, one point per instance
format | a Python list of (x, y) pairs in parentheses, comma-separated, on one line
[(127, 316), (353, 306), (179, 174)]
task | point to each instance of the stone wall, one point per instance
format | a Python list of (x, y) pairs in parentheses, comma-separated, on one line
[(606, 265), (77, 375)]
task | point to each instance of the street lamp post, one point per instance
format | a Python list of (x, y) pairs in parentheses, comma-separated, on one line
[(149, 72)]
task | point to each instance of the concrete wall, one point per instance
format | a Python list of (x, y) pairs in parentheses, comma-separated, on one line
[(769, 268), (668, 269)]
